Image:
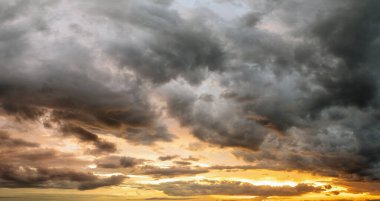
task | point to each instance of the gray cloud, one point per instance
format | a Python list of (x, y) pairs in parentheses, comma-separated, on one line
[(294, 84), (174, 171), (27, 177), (86, 136), (304, 97), (67, 85), (291, 95), (209, 187), (169, 47), (118, 162), (214, 122)]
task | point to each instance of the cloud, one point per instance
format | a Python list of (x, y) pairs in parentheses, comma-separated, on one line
[(215, 122), (210, 187), (111, 181), (169, 47), (174, 171), (168, 157), (148, 136), (7, 141), (182, 163), (337, 150), (288, 85), (118, 162), (69, 87), (301, 94), (26, 165), (31, 177), (360, 187), (39, 157), (190, 158), (233, 168), (88, 137)]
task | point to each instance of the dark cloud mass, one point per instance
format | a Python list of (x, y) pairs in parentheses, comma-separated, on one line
[(24, 177), (66, 85), (302, 99), (170, 47), (288, 85)]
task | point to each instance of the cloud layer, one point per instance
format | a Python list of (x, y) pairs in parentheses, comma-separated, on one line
[(234, 188), (287, 85)]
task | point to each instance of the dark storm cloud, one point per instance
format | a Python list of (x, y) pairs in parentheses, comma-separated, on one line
[(226, 126), (306, 84), (27, 177), (350, 33), (292, 83), (304, 98), (209, 187), (341, 148), (78, 99), (169, 46), (339, 130), (66, 85)]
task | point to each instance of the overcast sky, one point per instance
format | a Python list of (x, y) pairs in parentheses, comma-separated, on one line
[(189, 99)]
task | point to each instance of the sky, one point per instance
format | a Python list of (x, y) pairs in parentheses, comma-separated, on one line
[(198, 100)]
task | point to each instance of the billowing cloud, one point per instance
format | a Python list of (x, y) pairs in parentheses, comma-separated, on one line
[(301, 97), (169, 46), (67, 86), (290, 85)]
